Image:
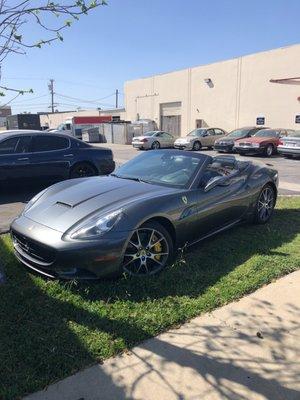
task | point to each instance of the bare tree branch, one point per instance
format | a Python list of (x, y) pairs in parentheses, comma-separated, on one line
[(46, 14)]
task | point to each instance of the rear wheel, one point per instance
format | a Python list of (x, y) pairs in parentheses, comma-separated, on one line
[(265, 205), (155, 145), (197, 146), (148, 251), (269, 150), (82, 170)]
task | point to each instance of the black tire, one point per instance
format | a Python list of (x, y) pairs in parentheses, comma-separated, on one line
[(265, 204), (289, 156), (82, 170), (269, 150), (139, 258), (155, 145), (197, 146)]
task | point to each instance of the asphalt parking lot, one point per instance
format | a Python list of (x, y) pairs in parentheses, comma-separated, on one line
[(12, 201)]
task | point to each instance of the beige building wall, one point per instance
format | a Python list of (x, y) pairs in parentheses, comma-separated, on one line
[(240, 92)]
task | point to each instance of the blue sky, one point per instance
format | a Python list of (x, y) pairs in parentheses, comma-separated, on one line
[(129, 39)]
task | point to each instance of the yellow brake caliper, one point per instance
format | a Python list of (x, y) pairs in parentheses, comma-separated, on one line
[(157, 248)]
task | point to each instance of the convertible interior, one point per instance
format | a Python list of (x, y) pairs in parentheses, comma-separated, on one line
[(222, 167)]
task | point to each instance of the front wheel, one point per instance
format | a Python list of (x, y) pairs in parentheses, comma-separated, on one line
[(148, 251), (155, 145), (269, 150), (197, 146), (265, 205)]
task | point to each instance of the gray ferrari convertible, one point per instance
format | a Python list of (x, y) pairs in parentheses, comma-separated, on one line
[(134, 219)]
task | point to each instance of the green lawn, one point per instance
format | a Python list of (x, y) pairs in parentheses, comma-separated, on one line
[(49, 330)]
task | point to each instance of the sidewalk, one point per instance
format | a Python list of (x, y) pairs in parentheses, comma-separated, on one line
[(248, 350)]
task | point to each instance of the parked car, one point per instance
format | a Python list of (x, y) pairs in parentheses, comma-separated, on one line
[(198, 138), (289, 146), (226, 143), (29, 156), (153, 140), (263, 142), (134, 220)]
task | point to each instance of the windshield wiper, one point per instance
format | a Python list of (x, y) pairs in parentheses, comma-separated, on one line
[(132, 178)]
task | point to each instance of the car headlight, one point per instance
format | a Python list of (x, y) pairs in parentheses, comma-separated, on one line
[(34, 200), (95, 226), (255, 145)]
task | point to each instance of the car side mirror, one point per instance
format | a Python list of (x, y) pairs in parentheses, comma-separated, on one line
[(216, 181)]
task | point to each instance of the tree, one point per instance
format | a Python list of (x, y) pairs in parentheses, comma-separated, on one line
[(52, 17)]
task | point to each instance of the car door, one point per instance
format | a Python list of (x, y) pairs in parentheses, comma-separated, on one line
[(207, 138), (15, 159), (166, 140), (217, 208), (51, 156)]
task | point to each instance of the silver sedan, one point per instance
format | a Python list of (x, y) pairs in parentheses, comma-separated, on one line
[(153, 140)]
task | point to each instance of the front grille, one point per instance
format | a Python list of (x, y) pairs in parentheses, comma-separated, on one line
[(40, 253), (245, 144)]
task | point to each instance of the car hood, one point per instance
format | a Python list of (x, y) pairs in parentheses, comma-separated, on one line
[(225, 140), (254, 139), (138, 138), (68, 202), (185, 139)]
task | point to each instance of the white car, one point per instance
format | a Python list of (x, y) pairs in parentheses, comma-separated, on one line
[(289, 145), (153, 140), (198, 138)]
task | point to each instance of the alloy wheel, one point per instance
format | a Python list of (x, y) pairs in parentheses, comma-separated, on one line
[(265, 204), (269, 150), (196, 146), (155, 145), (82, 171), (147, 252)]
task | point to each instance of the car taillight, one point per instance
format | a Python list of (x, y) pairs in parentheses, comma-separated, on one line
[(280, 142), (144, 140)]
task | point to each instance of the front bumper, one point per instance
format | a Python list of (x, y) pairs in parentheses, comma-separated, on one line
[(183, 146), (43, 250), (140, 145), (226, 148), (249, 150)]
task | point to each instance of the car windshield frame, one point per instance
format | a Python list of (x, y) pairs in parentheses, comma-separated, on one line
[(273, 133), (197, 132), (243, 133), (147, 134), (123, 174)]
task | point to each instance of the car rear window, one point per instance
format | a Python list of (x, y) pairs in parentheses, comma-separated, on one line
[(49, 143)]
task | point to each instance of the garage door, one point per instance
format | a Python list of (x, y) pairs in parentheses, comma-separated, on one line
[(170, 118)]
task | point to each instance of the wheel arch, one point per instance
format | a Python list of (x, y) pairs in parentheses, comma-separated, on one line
[(166, 223), (78, 162)]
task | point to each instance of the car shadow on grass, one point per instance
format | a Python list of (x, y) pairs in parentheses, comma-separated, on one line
[(202, 265), (50, 329)]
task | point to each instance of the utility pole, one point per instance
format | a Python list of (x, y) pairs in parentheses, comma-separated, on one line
[(51, 89), (117, 98)]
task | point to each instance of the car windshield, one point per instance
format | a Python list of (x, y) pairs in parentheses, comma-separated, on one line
[(167, 168), (294, 134), (267, 133), (238, 133), (197, 132), (150, 133)]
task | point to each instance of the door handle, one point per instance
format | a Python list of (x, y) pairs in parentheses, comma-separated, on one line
[(23, 159), (68, 155)]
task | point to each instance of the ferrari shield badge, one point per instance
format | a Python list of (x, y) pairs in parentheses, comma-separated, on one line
[(184, 199)]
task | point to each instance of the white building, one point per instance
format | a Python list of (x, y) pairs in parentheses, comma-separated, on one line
[(228, 94)]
